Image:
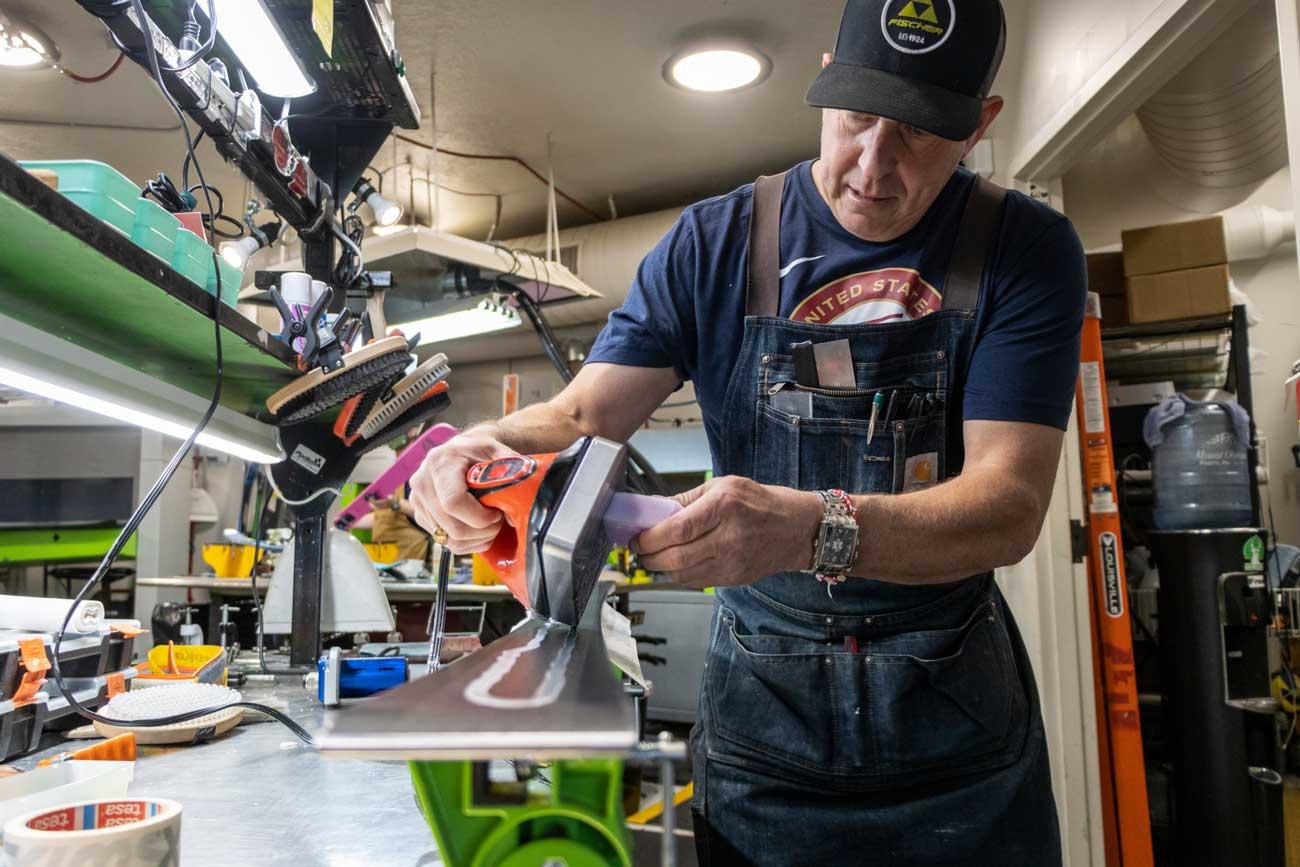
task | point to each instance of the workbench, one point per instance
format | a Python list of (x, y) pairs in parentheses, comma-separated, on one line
[(260, 796)]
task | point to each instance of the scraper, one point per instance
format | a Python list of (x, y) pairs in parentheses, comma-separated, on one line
[(563, 514)]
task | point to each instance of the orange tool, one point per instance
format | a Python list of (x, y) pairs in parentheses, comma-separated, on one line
[(562, 517)]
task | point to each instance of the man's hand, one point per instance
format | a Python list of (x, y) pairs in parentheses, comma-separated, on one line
[(441, 497), (732, 531)]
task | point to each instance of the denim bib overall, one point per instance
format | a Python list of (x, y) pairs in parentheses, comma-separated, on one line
[(878, 724)]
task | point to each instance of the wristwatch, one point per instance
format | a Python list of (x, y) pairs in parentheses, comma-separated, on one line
[(835, 547)]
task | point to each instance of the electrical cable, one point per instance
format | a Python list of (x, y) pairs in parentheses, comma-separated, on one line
[(151, 498), (95, 79), (105, 9), (438, 613), (501, 158), (641, 476), (350, 265), (314, 495), (257, 599)]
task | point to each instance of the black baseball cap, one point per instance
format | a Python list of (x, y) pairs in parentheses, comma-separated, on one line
[(928, 63)]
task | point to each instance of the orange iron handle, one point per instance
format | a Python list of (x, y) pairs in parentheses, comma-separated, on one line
[(510, 485)]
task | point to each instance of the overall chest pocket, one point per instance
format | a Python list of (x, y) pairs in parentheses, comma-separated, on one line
[(817, 438)]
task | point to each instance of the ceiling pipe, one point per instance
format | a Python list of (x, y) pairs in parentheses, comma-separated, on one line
[(1255, 231)]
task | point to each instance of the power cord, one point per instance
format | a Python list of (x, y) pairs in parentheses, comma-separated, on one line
[(257, 600), (151, 498), (104, 9), (438, 613), (641, 476)]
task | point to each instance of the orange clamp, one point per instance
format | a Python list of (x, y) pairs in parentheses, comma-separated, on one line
[(116, 685), (34, 663)]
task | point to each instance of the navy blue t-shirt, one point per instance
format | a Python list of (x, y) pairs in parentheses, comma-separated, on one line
[(686, 308)]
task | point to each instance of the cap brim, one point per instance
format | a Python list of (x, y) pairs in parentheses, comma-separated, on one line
[(872, 91)]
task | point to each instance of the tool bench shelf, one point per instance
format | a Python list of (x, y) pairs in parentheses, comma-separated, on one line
[(70, 276)]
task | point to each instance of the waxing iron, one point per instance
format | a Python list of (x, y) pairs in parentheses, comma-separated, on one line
[(563, 514)]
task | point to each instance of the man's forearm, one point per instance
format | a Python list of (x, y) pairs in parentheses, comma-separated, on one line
[(536, 429), (976, 522)]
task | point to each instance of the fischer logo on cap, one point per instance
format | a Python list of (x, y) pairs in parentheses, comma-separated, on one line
[(917, 26)]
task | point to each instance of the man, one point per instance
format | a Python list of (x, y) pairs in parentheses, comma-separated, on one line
[(866, 701)]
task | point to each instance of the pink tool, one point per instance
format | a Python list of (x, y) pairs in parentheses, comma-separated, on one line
[(396, 476)]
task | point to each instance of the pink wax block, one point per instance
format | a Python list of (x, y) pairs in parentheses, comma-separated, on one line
[(629, 514)]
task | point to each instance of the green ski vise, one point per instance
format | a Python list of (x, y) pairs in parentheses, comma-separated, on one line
[(578, 822)]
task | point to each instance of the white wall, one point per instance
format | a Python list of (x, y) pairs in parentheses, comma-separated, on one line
[(1122, 185)]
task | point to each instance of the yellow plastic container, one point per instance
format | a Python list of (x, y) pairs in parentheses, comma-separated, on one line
[(381, 552), (481, 572), (183, 663), (231, 561)]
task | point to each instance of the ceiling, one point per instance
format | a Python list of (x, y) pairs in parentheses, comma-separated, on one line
[(507, 74)]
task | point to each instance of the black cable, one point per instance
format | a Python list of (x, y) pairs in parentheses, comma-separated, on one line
[(104, 9), (438, 613), (185, 163), (641, 476), (151, 498), (257, 600)]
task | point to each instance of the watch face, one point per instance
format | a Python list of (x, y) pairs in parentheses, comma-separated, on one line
[(837, 545)]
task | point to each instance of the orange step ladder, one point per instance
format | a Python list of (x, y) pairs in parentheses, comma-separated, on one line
[(1126, 818)]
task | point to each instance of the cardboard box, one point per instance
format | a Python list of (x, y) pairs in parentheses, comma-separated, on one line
[(1114, 311), (1106, 274), (1178, 295), (1174, 247), (1138, 394)]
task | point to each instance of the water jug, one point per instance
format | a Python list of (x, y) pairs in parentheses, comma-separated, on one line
[(1200, 471)]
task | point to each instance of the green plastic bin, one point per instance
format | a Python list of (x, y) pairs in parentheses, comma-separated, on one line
[(231, 279), (99, 189), (155, 228), (192, 257)]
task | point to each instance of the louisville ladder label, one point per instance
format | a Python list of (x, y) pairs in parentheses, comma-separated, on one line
[(1127, 820)]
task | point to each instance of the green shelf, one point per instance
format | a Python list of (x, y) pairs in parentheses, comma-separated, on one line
[(66, 273), (60, 545)]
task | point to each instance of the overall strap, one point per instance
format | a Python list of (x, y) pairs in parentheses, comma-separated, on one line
[(763, 282), (961, 286)]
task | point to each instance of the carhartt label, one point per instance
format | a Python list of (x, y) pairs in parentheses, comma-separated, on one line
[(921, 471), (307, 459)]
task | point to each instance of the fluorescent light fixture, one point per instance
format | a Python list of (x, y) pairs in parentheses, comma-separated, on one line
[(127, 415), (49, 367), (25, 46), (717, 69), (489, 316), (252, 34)]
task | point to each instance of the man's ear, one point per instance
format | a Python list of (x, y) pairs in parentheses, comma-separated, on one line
[(826, 59), (988, 112)]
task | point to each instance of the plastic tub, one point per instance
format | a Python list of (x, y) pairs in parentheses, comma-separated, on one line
[(231, 279), (155, 229), (192, 257), (99, 189), (67, 782)]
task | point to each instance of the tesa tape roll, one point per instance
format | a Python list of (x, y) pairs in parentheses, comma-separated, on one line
[(119, 833)]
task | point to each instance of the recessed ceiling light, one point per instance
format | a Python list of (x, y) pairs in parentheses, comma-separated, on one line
[(25, 46), (717, 69)]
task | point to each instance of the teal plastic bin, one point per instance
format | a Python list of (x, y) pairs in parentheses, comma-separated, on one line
[(231, 279), (99, 189), (192, 257), (155, 228)]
